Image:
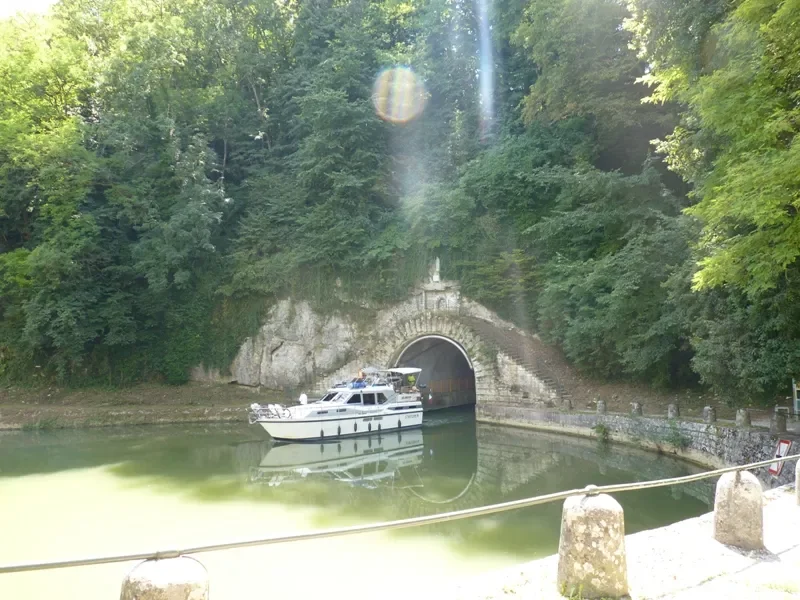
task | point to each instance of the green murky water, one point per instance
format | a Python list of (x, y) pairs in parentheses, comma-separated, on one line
[(70, 493)]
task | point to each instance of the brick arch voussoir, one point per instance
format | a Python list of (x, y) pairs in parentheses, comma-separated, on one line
[(414, 329)]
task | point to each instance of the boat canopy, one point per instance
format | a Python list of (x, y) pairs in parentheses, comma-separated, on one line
[(405, 370)]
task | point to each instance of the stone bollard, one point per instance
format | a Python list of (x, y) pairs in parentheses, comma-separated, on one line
[(777, 423), (601, 407), (739, 511), (743, 417), (181, 578), (591, 550), (636, 408), (710, 414), (673, 412)]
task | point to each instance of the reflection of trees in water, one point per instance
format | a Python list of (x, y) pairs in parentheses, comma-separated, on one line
[(184, 451), (460, 465)]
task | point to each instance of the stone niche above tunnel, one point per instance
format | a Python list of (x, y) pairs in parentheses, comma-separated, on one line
[(435, 294), (447, 378)]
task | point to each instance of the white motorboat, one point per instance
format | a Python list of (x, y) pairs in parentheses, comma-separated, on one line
[(379, 400), (355, 462)]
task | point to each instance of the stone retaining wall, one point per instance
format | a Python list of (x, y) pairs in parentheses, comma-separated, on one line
[(69, 417), (711, 445)]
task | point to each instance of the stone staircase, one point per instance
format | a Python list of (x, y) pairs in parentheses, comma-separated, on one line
[(525, 350)]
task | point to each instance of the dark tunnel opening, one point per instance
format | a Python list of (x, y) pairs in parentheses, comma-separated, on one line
[(447, 379)]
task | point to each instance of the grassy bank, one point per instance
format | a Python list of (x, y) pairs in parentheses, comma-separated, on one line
[(51, 407)]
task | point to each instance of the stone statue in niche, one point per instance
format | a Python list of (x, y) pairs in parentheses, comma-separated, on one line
[(441, 304), (435, 277)]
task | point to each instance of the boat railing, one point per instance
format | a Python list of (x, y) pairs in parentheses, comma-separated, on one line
[(270, 411)]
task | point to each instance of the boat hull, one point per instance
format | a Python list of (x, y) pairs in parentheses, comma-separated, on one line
[(319, 429)]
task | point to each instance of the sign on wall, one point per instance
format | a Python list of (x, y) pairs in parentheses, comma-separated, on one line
[(782, 450)]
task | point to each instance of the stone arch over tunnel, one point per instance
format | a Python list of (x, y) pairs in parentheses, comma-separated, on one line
[(398, 335), (448, 376), (498, 377)]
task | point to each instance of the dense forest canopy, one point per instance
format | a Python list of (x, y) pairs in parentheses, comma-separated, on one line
[(622, 177)]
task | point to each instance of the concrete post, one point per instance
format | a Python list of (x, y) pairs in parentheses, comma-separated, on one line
[(739, 511), (673, 412), (601, 407), (636, 408), (743, 417), (591, 550), (797, 482), (709, 414), (777, 423), (179, 578)]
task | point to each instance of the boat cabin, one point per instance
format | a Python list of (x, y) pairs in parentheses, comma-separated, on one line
[(366, 397)]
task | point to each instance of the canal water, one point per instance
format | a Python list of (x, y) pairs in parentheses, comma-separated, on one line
[(65, 494)]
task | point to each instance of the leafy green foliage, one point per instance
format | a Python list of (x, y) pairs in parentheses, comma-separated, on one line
[(603, 433), (586, 70), (610, 245), (169, 169), (737, 142), (746, 347)]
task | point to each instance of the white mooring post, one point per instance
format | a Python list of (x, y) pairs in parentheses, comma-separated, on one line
[(181, 578), (591, 550), (739, 511), (673, 412)]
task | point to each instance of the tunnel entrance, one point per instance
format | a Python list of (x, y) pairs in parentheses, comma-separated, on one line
[(447, 374)]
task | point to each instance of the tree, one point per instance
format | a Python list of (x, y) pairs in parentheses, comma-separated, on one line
[(737, 140), (610, 246), (586, 69)]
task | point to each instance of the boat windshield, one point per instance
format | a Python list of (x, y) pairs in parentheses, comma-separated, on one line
[(328, 397), (338, 396)]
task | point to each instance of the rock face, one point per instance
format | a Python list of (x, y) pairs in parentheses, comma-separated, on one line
[(297, 348), (293, 346)]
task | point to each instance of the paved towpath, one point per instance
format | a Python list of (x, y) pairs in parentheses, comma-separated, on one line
[(678, 562)]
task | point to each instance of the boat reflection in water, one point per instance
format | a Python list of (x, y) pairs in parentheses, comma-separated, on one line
[(367, 462)]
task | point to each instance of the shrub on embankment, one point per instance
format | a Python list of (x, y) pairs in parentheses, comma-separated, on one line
[(170, 170)]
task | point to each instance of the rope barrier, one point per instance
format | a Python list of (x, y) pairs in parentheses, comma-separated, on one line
[(391, 525)]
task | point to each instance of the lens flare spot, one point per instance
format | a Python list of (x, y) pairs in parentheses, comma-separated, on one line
[(398, 95)]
